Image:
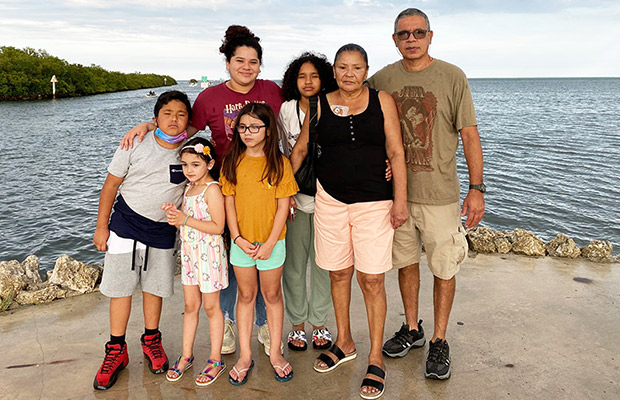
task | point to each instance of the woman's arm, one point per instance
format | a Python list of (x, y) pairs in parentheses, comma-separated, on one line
[(282, 211), (106, 201), (396, 155), (141, 130)]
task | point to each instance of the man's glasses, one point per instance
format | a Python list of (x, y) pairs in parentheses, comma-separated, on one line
[(417, 33), (252, 128)]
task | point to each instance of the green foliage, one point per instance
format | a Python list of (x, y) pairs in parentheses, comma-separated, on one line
[(5, 302), (25, 74)]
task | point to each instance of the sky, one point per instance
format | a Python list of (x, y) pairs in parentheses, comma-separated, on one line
[(180, 38)]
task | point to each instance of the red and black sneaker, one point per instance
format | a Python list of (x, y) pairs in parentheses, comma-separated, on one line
[(154, 353), (116, 358)]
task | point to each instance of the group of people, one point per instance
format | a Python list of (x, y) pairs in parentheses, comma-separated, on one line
[(247, 235)]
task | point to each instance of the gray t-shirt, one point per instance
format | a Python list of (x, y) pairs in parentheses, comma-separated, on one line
[(152, 176)]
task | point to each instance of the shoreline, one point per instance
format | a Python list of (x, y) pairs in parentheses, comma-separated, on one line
[(21, 283)]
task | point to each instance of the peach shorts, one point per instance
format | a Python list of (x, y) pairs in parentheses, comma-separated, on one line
[(358, 234)]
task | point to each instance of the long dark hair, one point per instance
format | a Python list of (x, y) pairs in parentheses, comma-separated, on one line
[(274, 168), (324, 68), (237, 36)]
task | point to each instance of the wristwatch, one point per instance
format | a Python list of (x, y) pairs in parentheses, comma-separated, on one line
[(482, 187)]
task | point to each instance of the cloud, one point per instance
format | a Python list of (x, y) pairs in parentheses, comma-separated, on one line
[(182, 37)]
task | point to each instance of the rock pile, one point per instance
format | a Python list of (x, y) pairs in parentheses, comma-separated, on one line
[(21, 282), (484, 240)]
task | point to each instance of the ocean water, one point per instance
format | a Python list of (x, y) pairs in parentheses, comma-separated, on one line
[(551, 148)]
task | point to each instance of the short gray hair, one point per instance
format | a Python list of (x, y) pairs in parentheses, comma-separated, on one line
[(411, 12)]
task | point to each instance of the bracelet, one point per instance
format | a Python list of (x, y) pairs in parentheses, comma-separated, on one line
[(235, 239), (186, 218)]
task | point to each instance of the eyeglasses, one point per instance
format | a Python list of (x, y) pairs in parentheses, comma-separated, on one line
[(417, 33), (252, 128)]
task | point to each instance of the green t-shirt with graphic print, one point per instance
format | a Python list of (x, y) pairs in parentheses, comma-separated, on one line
[(433, 105)]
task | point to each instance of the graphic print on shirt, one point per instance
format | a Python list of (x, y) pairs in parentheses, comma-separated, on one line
[(417, 110), (230, 113)]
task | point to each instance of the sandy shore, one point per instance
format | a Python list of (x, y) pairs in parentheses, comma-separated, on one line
[(521, 328)]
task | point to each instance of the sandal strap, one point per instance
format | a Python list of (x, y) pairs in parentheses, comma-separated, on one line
[(326, 359), (210, 366), (321, 333), (373, 369), (337, 352), (373, 383), (297, 335), (175, 367)]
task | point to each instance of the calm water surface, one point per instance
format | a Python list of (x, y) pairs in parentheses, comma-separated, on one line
[(551, 150)]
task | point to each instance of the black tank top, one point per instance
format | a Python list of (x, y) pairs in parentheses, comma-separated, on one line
[(352, 164)]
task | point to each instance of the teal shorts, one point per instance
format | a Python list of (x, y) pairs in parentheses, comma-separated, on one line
[(240, 259)]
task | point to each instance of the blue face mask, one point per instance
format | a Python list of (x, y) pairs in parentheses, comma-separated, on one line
[(170, 139)]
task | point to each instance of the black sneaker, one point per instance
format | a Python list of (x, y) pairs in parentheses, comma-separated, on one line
[(403, 340), (438, 360)]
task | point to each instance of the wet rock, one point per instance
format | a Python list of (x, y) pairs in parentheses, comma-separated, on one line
[(527, 243), (15, 276), (74, 275), (562, 246), (598, 250), (45, 294), (482, 239)]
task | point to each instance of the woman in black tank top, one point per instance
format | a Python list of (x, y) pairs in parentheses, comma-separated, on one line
[(357, 129)]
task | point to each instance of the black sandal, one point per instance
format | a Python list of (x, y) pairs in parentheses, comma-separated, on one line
[(331, 364), (380, 386)]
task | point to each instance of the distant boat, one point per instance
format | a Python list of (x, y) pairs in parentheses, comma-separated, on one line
[(193, 84), (151, 94)]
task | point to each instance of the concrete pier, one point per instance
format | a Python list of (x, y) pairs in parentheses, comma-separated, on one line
[(520, 328)]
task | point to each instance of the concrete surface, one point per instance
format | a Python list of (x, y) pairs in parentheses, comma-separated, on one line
[(521, 328)]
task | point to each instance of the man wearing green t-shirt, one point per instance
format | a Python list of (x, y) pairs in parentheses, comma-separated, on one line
[(435, 105)]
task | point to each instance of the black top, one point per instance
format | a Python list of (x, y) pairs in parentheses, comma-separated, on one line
[(351, 167)]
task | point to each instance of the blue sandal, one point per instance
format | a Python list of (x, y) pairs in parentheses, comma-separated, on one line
[(284, 378), (176, 370), (239, 371)]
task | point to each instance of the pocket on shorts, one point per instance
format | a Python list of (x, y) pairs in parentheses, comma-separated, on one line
[(459, 248)]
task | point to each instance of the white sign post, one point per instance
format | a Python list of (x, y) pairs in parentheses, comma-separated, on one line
[(165, 80), (54, 80)]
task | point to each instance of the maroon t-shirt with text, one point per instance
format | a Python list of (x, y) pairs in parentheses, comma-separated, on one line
[(217, 106)]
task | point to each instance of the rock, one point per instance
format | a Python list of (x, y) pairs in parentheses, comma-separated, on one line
[(74, 275), (597, 250), (15, 277), (527, 243), (562, 246), (482, 239), (45, 294), (503, 241)]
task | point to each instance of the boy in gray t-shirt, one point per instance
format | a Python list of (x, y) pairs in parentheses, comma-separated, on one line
[(138, 241)]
